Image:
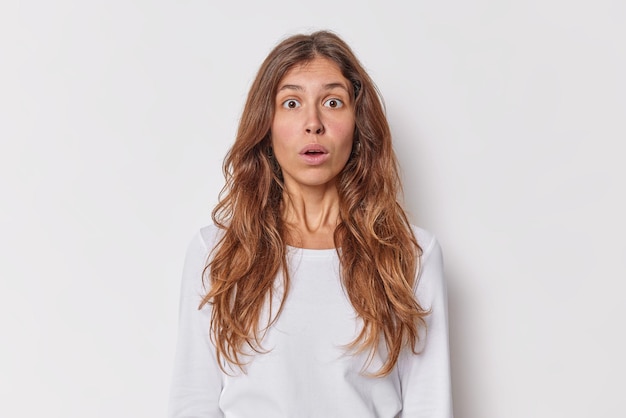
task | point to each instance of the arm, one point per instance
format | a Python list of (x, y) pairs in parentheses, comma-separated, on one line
[(196, 379), (425, 377)]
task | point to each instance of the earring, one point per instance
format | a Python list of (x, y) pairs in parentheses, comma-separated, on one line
[(357, 148)]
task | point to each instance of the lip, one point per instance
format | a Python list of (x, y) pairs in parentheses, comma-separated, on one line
[(314, 154)]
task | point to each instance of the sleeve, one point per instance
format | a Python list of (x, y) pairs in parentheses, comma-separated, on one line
[(196, 378), (425, 377)]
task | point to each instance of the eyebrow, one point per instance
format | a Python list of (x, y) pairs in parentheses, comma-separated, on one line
[(328, 86)]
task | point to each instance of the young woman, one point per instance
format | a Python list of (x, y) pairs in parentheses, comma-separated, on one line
[(312, 295)]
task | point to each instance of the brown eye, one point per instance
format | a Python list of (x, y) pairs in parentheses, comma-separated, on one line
[(291, 104), (333, 103)]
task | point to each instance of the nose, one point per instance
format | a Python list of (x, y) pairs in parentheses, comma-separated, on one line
[(314, 123), (317, 130)]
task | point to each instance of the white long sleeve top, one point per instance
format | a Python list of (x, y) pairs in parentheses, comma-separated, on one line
[(307, 371)]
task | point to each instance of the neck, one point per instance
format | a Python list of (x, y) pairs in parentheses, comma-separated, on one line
[(311, 216)]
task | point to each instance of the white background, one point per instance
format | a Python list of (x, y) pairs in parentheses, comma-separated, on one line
[(508, 119)]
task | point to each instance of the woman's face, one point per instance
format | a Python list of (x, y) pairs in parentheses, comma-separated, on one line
[(313, 126)]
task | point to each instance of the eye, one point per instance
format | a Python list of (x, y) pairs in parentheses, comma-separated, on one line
[(291, 104), (333, 103)]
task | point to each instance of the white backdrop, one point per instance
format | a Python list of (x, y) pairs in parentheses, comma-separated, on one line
[(508, 119)]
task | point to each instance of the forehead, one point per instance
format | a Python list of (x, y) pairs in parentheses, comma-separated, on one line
[(318, 69)]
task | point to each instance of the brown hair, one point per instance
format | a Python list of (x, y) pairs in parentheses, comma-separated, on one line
[(379, 254)]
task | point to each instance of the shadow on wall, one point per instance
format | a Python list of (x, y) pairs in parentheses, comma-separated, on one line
[(461, 314), (418, 161)]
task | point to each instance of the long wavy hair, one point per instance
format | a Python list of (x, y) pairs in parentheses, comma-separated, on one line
[(379, 254)]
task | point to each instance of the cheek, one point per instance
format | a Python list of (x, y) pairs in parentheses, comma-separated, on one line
[(282, 130), (281, 134), (345, 133)]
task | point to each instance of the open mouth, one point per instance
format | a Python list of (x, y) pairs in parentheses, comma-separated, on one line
[(313, 150), (314, 154)]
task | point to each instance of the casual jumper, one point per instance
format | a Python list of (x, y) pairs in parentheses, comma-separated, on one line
[(307, 370)]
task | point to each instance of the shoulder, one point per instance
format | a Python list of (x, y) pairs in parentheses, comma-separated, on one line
[(209, 235), (205, 239), (196, 259), (430, 279), (201, 245), (427, 241)]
